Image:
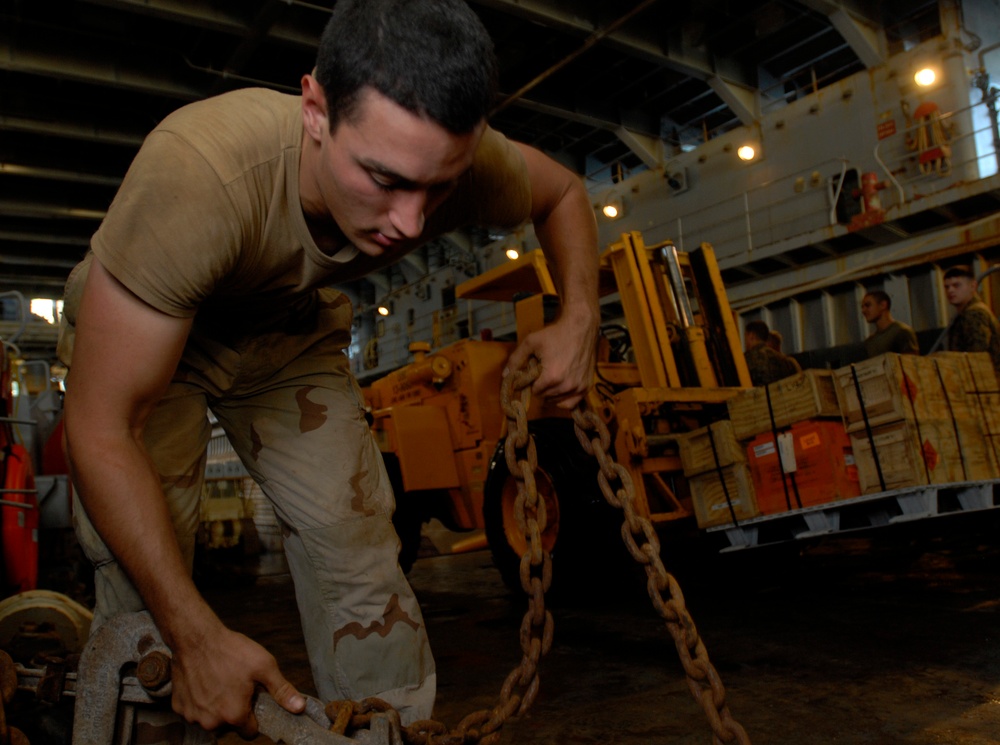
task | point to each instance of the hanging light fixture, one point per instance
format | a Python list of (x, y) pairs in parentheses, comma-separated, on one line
[(925, 77), (613, 208)]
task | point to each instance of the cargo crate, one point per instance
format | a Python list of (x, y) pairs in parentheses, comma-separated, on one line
[(979, 381), (911, 453), (709, 448), (718, 495), (807, 395), (816, 466), (894, 387)]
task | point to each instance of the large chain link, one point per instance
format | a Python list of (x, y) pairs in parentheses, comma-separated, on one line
[(703, 679)]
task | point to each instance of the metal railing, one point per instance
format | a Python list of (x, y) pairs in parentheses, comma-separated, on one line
[(790, 209)]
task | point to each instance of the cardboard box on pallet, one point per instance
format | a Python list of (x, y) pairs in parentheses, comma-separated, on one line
[(812, 463), (710, 447), (912, 453), (718, 495), (901, 386), (807, 395), (979, 381)]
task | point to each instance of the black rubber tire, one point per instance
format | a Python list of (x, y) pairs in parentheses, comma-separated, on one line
[(408, 518), (582, 530)]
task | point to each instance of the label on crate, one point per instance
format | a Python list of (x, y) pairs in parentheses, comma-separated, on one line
[(786, 450), (811, 440), (765, 448)]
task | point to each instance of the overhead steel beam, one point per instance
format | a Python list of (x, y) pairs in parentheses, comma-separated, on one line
[(16, 236), (12, 208), (56, 174), (380, 281), (862, 35), (37, 261), (742, 100), (202, 16), (550, 13), (648, 149), (642, 144), (85, 132), (416, 259), (591, 41), (193, 14), (105, 71)]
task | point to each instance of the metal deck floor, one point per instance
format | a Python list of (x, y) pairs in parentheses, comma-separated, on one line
[(890, 637)]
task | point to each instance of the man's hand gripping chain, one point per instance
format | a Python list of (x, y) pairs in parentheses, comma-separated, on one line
[(126, 664)]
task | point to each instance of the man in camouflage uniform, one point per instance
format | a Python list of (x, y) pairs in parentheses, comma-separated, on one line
[(975, 329), (208, 288), (765, 364)]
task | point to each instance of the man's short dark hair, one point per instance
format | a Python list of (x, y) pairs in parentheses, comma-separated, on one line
[(880, 296), (758, 329), (962, 270), (432, 57)]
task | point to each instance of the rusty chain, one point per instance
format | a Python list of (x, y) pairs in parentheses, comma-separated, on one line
[(8, 687), (703, 679), (521, 685), (536, 576)]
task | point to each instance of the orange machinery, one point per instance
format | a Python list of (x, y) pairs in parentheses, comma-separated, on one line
[(667, 366)]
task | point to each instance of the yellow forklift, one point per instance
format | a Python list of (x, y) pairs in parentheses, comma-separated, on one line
[(668, 369)]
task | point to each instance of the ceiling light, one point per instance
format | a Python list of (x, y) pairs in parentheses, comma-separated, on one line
[(384, 309), (925, 77), (512, 253), (613, 208), (746, 153)]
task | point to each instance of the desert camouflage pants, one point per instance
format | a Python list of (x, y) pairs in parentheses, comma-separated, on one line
[(294, 414)]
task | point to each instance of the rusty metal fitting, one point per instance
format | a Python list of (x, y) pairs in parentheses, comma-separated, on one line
[(153, 670), (8, 678)]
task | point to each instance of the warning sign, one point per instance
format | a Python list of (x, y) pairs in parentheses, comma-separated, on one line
[(886, 128)]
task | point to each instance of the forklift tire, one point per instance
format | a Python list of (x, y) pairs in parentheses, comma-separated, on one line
[(407, 518), (582, 531)]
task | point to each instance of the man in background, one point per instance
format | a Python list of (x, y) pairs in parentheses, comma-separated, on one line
[(765, 364), (889, 335), (975, 328)]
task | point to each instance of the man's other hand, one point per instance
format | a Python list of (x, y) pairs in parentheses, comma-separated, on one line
[(215, 677)]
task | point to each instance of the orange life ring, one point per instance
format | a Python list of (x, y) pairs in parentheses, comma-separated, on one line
[(19, 524)]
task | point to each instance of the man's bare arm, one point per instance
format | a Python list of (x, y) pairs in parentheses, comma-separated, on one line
[(567, 231), (124, 356)]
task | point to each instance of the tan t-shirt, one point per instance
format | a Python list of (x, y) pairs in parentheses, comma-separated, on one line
[(208, 219)]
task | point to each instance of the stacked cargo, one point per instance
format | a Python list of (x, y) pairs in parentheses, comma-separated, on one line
[(981, 385), (784, 447), (775, 407), (798, 452), (714, 463), (912, 422)]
